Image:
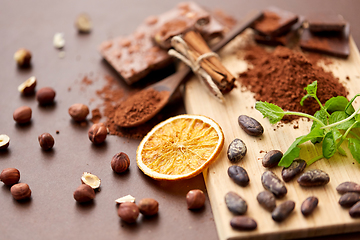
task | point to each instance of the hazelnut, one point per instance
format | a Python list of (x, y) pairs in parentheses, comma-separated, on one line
[(78, 111), (90, 179), (45, 96), (22, 114), (120, 162), (28, 87), (195, 199), (97, 133), (127, 198), (84, 193), (20, 191), (46, 141), (22, 57), (128, 212), (4, 141), (83, 23), (10, 176), (148, 206)]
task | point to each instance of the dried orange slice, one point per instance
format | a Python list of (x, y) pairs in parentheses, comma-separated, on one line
[(180, 147)]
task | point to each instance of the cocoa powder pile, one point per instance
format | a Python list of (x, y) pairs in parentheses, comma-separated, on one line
[(279, 77)]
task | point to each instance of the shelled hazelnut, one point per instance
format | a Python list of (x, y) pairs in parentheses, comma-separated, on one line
[(46, 141), (83, 23), (97, 133), (78, 112), (120, 162), (20, 191), (45, 96), (84, 193), (128, 212), (22, 57), (4, 141), (22, 115), (28, 87), (90, 179), (148, 206), (195, 199), (10, 176)]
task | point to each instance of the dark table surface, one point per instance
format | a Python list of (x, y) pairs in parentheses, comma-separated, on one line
[(52, 212)]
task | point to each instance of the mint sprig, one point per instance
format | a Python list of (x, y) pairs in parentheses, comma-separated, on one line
[(332, 125)]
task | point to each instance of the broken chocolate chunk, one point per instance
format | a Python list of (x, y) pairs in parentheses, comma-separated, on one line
[(275, 22), (325, 22), (331, 43)]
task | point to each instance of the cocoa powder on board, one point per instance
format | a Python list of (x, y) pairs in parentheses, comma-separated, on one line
[(279, 77)]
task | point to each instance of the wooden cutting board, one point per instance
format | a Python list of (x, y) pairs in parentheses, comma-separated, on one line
[(329, 217)]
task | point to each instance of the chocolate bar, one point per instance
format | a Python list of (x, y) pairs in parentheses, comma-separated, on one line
[(284, 39), (275, 22), (334, 44), (325, 21), (136, 55)]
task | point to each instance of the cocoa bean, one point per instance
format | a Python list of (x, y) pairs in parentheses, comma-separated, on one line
[(349, 199), (309, 205), (348, 187), (235, 203), (250, 125), (313, 177), (272, 158), (236, 151), (282, 211), (355, 210), (296, 167), (238, 175), (267, 200), (243, 223), (272, 183)]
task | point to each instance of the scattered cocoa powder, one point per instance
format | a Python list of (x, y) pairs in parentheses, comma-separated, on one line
[(279, 77), (95, 115)]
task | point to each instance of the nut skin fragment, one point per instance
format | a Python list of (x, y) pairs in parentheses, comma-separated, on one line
[(23, 57), (28, 87), (84, 193), (4, 142), (45, 96), (120, 162), (90, 179), (148, 206), (20, 191), (22, 115), (78, 112), (10, 176), (46, 141), (195, 199), (97, 133), (128, 212)]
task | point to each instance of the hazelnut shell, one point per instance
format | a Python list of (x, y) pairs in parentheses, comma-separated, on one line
[(120, 162), (97, 133), (10, 176), (45, 96), (22, 115), (20, 191), (78, 112), (46, 141), (84, 193), (128, 212), (195, 199), (148, 206)]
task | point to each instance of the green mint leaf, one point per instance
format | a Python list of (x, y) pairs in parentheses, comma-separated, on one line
[(311, 88), (337, 134), (354, 146), (329, 145), (357, 117), (349, 109), (294, 151), (338, 103), (271, 111), (303, 99), (321, 115), (338, 116)]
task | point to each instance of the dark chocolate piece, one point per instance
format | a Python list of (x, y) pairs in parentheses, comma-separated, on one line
[(333, 44), (325, 21), (136, 55), (275, 22), (284, 39)]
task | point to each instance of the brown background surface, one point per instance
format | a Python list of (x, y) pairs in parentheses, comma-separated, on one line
[(52, 213)]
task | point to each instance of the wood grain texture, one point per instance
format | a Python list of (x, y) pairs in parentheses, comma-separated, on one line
[(329, 217)]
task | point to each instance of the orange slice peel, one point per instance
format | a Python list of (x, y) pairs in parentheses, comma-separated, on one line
[(180, 147)]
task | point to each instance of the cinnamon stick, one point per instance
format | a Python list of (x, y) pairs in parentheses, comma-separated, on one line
[(212, 65)]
